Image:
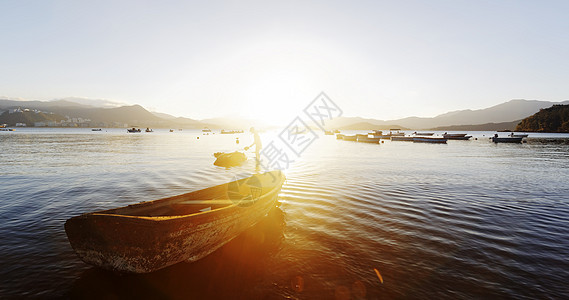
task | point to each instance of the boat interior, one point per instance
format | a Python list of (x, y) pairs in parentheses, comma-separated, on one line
[(210, 199)]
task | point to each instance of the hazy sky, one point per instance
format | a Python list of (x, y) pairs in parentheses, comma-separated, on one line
[(380, 59)]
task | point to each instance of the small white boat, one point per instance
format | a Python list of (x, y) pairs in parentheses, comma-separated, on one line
[(456, 136)]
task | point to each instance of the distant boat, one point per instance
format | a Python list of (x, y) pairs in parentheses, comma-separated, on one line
[(328, 132), (429, 139), (402, 138), (149, 130), (133, 130), (456, 136), (231, 131), (205, 129), (171, 130), (523, 135), (148, 236), (509, 139), (392, 132), (336, 131), (96, 129), (366, 139), (396, 132), (423, 133), (7, 129), (339, 136)]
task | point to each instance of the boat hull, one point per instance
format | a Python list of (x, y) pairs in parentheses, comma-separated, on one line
[(432, 140), (366, 139), (507, 139), (139, 244), (402, 138)]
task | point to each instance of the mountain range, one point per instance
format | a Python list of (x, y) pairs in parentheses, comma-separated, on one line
[(493, 118), (107, 113)]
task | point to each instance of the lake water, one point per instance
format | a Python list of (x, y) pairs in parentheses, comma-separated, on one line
[(469, 219)]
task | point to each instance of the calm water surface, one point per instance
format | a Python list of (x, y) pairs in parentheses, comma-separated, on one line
[(470, 219)]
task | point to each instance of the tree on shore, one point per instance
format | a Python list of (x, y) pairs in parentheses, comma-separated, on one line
[(553, 119)]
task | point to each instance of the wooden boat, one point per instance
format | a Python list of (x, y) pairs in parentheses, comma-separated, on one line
[(351, 138), (149, 236), (366, 139), (509, 139), (456, 136), (328, 132), (231, 159), (429, 139), (402, 138), (339, 136)]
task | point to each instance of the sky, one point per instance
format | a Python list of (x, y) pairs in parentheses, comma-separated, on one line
[(269, 59)]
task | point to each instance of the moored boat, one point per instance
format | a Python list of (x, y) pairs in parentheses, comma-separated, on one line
[(328, 132), (339, 136), (366, 139), (231, 159), (402, 138), (133, 130), (152, 235), (429, 139), (509, 139), (522, 135), (376, 133), (423, 133), (392, 132), (223, 131), (351, 138), (396, 132), (456, 136)]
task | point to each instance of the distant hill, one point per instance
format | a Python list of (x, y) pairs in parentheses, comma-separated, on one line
[(511, 126), (102, 113), (553, 119), (134, 115), (28, 117), (93, 102), (505, 112)]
